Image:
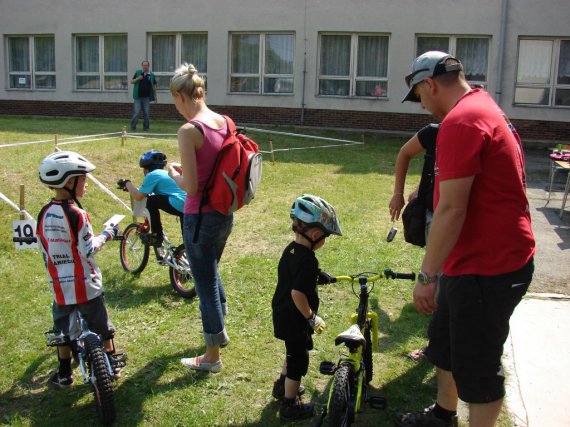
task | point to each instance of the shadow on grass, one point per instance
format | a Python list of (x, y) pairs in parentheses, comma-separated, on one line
[(31, 398), (126, 290)]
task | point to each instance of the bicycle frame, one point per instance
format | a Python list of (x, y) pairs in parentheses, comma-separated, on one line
[(350, 398)]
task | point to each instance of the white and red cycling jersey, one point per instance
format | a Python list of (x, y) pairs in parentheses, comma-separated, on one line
[(68, 245)]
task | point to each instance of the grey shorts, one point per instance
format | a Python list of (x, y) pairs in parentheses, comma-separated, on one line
[(94, 312)]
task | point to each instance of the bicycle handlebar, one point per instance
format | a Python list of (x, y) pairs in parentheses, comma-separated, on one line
[(388, 274)]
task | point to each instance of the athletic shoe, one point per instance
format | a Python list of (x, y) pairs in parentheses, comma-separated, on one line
[(58, 381), (296, 410), (279, 390), (197, 364), (423, 419)]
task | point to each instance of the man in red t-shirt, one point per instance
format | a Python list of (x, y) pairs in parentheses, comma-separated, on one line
[(480, 238)]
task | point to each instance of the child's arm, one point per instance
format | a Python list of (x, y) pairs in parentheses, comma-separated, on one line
[(302, 303), (87, 243)]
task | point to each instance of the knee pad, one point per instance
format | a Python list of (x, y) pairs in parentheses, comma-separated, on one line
[(297, 365), (472, 389)]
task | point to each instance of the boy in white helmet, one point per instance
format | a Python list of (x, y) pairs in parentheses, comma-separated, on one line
[(68, 245), (296, 301)]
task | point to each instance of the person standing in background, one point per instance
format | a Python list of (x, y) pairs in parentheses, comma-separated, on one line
[(144, 91)]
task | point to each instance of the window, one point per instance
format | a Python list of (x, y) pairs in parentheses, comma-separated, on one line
[(353, 65), (101, 62), (262, 63), (543, 72), (168, 51), (31, 62), (473, 52)]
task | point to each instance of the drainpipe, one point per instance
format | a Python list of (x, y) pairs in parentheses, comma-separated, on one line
[(304, 65), (503, 30)]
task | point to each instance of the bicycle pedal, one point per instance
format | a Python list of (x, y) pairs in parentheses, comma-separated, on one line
[(119, 360), (54, 338), (327, 367), (377, 402)]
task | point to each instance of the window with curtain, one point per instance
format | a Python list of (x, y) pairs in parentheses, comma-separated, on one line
[(543, 73), (473, 52), (101, 62), (353, 65), (31, 63), (169, 51), (262, 63)]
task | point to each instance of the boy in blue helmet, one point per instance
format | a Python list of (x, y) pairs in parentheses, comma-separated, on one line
[(161, 191), (296, 301)]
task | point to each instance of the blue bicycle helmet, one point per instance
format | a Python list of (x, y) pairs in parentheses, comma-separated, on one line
[(314, 211), (152, 159)]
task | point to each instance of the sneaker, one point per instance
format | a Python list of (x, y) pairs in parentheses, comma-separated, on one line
[(117, 361), (279, 390), (296, 410), (59, 381), (423, 419)]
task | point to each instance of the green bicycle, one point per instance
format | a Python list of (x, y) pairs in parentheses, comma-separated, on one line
[(354, 370)]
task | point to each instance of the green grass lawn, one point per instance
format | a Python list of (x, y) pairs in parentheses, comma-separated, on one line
[(156, 327)]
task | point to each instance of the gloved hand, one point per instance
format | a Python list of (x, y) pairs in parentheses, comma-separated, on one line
[(317, 323), (110, 232), (122, 184), (323, 278)]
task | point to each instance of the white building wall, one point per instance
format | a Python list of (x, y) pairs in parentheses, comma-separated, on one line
[(401, 20)]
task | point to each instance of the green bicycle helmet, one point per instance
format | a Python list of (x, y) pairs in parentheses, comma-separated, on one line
[(313, 211)]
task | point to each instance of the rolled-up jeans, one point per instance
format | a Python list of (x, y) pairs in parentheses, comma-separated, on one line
[(204, 256)]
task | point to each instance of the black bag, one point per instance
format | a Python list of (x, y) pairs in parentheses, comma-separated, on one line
[(414, 220)]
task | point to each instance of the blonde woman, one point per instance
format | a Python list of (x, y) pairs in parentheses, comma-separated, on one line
[(199, 141)]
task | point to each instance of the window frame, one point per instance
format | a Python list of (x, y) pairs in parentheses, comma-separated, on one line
[(177, 55), (352, 77), (553, 84), (452, 50), (261, 75), (101, 73), (32, 73)]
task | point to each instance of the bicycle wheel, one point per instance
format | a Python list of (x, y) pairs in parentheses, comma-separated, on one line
[(367, 356), (100, 380), (132, 251), (341, 405), (181, 276)]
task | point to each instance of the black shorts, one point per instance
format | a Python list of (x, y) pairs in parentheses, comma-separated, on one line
[(470, 326), (297, 357), (94, 312)]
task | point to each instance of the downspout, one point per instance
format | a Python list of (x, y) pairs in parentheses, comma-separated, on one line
[(500, 65), (304, 65)]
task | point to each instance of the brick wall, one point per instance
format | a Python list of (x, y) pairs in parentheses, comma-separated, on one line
[(530, 130)]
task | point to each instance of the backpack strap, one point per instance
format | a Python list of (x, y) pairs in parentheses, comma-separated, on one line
[(204, 199)]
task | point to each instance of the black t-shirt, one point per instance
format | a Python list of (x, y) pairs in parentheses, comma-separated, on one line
[(427, 137), (144, 86), (298, 269)]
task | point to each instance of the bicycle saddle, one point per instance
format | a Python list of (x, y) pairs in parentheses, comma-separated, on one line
[(352, 337)]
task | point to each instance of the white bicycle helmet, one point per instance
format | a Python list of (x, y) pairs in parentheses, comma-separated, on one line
[(315, 211), (58, 167)]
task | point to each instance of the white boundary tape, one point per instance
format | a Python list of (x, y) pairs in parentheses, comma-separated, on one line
[(11, 203), (66, 139)]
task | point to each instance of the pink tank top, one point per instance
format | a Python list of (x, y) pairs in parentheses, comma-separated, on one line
[(205, 159)]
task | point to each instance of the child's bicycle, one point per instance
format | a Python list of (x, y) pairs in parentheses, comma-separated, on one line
[(353, 371), (96, 367), (134, 251)]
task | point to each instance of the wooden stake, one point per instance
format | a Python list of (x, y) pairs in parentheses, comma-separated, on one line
[(56, 148), (272, 153), (123, 136), (22, 201)]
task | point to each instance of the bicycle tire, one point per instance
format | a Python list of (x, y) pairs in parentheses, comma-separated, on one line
[(102, 387), (133, 252), (181, 280), (340, 408), (367, 356)]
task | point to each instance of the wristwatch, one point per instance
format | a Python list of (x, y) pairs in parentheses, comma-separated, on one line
[(426, 279)]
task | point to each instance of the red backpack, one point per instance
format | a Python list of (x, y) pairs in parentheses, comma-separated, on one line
[(235, 175)]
